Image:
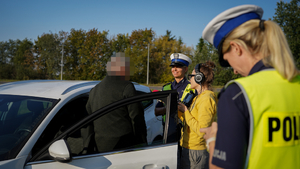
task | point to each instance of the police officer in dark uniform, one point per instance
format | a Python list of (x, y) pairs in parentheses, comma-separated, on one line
[(179, 68), (256, 113)]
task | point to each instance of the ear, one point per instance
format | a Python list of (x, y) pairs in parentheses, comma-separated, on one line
[(236, 48), (185, 68)]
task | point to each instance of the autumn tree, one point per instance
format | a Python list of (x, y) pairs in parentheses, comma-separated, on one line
[(287, 15), (86, 54), (120, 43), (23, 60), (94, 55), (161, 49), (72, 47), (169, 35), (7, 51), (138, 52), (203, 52), (207, 52), (47, 48)]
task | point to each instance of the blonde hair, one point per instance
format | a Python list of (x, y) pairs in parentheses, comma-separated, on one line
[(270, 43)]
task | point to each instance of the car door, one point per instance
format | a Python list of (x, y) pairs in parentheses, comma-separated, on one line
[(82, 150)]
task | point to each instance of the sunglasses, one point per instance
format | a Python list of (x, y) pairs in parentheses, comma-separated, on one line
[(190, 76)]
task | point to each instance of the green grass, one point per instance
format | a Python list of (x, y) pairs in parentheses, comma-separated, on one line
[(8, 80)]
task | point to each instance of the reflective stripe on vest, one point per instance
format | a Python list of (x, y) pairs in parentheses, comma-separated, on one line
[(167, 87), (186, 90), (274, 111)]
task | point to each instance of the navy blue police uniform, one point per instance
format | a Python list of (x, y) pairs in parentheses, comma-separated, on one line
[(231, 133)]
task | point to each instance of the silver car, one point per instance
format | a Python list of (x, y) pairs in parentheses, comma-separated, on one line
[(43, 124)]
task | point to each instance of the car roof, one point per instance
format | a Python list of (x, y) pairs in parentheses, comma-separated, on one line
[(51, 88), (43, 88)]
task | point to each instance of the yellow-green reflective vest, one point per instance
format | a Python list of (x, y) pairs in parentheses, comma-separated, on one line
[(274, 107), (185, 92)]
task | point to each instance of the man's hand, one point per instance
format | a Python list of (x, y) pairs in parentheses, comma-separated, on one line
[(159, 111)]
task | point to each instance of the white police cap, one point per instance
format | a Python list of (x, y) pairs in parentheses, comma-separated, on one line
[(219, 27), (180, 59)]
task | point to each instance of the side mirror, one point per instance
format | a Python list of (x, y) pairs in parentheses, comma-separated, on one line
[(59, 151)]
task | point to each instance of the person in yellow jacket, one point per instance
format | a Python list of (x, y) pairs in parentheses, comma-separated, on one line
[(258, 114), (199, 114)]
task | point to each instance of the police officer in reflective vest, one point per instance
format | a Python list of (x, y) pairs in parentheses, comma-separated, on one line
[(258, 114), (179, 68)]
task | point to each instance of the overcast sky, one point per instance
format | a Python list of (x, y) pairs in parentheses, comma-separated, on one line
[(22, 19)]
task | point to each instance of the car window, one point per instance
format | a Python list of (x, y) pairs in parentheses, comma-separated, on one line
[(145, 103), (19, 116), (67, 116), (118, 127), (111, 132)]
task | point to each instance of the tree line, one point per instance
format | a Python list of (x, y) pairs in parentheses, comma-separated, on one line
[(84, 54)]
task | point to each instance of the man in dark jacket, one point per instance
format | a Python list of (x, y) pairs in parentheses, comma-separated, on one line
[(125, 126)]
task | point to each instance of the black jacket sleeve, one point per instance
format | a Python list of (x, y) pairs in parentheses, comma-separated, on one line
[(136, 114)]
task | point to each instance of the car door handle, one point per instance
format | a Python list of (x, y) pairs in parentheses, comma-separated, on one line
[(152, 166)]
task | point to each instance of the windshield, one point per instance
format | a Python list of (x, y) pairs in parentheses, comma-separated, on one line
[(19, 116)]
